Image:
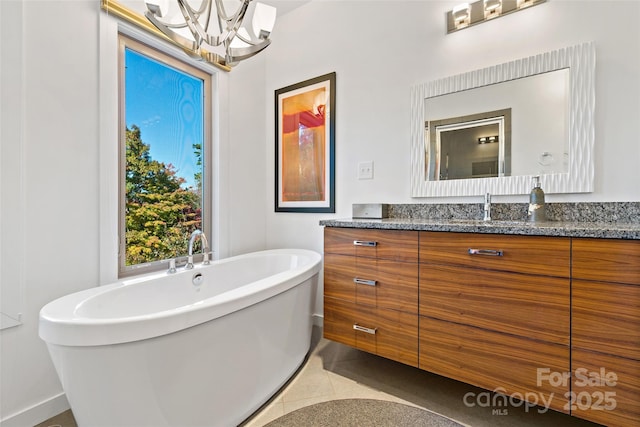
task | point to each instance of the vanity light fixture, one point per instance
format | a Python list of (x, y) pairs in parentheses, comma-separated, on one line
[(488, 139), (492, 8), (461, 15), (524, 3), (208, 30), (468, 14)]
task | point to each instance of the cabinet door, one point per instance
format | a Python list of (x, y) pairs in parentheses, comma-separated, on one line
[(535, 307), (606, 318), (605, 389), (374, 282), (498, 362), (387, 333), (548, 256), (339, 271), (398, 245), (339, 318), (606, 260)]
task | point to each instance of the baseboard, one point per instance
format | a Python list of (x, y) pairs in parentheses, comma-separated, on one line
[(318, 319), (37, 413)]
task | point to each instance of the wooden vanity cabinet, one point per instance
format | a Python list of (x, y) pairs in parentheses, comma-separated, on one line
[(491, 310), (494, 309), (371, 291), (605, 330)]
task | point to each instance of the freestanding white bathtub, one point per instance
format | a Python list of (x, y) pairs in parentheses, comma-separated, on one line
[(159, 350)]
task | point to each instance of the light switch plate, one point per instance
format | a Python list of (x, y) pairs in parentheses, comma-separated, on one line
[(365, 170)]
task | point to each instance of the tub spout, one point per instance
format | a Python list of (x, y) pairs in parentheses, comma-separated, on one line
[(204, 244)]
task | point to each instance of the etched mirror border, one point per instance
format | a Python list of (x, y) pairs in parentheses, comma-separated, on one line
[(581, 62)]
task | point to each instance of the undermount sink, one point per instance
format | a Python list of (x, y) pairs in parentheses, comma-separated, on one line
[(492, 222), (508, 222)]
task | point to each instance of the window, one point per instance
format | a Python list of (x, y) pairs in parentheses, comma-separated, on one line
[(165, 133)]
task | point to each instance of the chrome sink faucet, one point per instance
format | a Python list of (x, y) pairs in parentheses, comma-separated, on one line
[(487, 207), (205, 247)]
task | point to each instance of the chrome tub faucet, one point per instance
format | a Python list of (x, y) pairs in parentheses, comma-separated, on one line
[(205, 247)]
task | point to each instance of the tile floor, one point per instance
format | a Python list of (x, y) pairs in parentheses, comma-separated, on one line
[(335, 371)]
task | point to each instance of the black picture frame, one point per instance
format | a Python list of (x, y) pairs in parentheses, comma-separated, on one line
[(305, 146)]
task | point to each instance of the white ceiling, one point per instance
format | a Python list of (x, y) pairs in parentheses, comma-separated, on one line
[(285, 6)]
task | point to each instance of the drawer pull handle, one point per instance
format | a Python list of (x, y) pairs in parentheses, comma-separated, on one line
[(363, 329), (358, 281), (486, 252), (364, 243)]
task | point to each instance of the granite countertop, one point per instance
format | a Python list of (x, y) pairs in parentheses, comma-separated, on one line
[(602, 230)]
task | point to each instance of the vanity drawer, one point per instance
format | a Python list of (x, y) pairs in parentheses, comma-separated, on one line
[(549, 256), (605, 318), (492, 360), (531, 306), (374, 282), (388, 333), (608, 260), (594, 401), (398, 245)]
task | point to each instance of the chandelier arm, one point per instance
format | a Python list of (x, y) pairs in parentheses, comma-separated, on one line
[(166, 29), (204, 7), (203, 13), (222, 12), (228, 33), (154, 14), (199, 33), (237, 54), (237, 23), (247, 40), (223, 18), (231, 22)]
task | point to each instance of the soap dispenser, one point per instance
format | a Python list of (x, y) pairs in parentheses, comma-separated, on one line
[(536, 202)]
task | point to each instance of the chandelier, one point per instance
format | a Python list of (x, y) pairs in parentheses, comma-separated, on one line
[(233, 29)]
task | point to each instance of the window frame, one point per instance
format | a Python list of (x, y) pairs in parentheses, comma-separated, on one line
[(124, 42)]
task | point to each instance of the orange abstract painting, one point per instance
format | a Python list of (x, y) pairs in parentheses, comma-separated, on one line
[(303, 146)]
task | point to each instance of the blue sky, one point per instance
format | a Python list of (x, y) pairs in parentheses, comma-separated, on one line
[(167, 106)]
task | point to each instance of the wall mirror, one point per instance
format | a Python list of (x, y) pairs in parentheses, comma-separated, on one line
[(549, 100)]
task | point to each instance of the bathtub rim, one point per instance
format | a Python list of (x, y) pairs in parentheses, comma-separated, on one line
[(71, 330)]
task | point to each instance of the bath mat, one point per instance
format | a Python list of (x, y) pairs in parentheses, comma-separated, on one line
[(362, 413)]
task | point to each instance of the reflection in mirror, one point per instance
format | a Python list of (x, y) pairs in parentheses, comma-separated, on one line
[(540, 106), (552, 101), (474, 146)]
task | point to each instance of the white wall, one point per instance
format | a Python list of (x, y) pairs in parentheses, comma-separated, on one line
[(11, 165), (60, 191), (380, 48), (247, 153)]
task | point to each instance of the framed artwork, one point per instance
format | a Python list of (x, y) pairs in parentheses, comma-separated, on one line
[(305, 146)]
